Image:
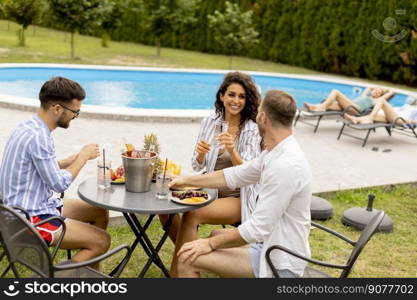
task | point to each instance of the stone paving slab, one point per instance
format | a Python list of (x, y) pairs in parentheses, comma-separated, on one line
[(336, 165)]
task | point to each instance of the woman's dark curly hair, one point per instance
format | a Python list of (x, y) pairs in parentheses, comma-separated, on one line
[(252, 96)]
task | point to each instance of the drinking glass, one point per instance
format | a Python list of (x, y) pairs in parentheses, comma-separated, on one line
[(220, 127), (162, 188), (103, 173)]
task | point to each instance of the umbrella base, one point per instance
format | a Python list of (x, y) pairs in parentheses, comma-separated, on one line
[(320, 209), (359, 217)]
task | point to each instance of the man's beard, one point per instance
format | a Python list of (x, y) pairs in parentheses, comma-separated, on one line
[(261, 131), (61, 123)]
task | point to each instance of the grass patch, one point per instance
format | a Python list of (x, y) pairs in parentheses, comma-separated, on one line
[(386, 255), (51, 46)]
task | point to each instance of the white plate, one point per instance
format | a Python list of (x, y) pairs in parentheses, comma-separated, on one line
[(179, 201)]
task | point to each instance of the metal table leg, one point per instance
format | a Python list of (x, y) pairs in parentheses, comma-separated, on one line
[(153, 256), (143, 239), (138, 234), (130, 218)]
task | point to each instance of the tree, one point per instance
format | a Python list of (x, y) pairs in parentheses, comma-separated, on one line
[(112, 20), (233, 30), (76, 15), (266, 18), (43, 11), (24, 12), (165, 15), (1, 10)]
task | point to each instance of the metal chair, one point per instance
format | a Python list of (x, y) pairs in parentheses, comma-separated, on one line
[(3, 253), (366, 235), (24, 246), (2, 256)]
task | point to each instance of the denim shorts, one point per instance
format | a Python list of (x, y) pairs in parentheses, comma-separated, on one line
[(255, 250)]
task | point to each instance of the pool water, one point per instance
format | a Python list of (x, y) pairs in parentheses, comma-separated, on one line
[(159, 89)]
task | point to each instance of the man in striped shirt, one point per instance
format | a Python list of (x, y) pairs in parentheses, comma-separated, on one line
[(30, 173)]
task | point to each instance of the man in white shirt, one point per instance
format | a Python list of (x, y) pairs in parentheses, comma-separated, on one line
[(282, 212)]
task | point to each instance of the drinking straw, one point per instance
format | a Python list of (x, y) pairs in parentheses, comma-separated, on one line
[(165, 170), (104, 163)]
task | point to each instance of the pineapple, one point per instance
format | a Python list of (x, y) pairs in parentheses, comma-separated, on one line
[(151, 143)]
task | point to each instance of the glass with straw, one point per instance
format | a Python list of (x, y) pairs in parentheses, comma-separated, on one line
[(162, 181), (220, 127), (103, 171)]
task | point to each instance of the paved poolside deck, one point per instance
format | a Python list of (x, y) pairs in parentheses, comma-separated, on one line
[(336, 164)]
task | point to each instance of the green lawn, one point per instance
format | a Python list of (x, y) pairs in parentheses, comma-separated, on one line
[(386, 255), (52, 46)]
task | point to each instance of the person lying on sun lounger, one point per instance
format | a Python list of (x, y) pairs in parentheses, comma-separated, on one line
[(338, 102), (384, 112)]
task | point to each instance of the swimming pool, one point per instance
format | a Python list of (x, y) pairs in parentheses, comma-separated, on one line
[(167, 89)]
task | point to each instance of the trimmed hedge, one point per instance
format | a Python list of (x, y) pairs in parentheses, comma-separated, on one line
[(326, 35)]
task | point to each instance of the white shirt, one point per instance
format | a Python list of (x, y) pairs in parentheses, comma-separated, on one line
[(282, 212), (248, 146)]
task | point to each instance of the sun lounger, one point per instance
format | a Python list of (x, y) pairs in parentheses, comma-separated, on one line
[(406, 128), (304, 113)]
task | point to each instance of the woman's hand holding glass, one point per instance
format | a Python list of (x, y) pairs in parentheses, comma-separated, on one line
[(228, 140)]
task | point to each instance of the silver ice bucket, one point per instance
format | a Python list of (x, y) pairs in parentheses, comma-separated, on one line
[(139, 171)]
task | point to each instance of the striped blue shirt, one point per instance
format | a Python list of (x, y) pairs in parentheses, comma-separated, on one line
[(29, 171)]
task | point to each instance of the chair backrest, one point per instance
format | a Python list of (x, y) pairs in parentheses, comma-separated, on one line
[(366, 235), (23, 244)]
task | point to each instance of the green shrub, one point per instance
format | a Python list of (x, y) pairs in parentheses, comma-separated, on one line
[(326, 35)]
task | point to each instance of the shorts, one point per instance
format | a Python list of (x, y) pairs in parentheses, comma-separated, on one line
[(255, 250), (47, 230)]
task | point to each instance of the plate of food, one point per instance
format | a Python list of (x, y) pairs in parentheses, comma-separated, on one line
[(118, 176), (190, 197)]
